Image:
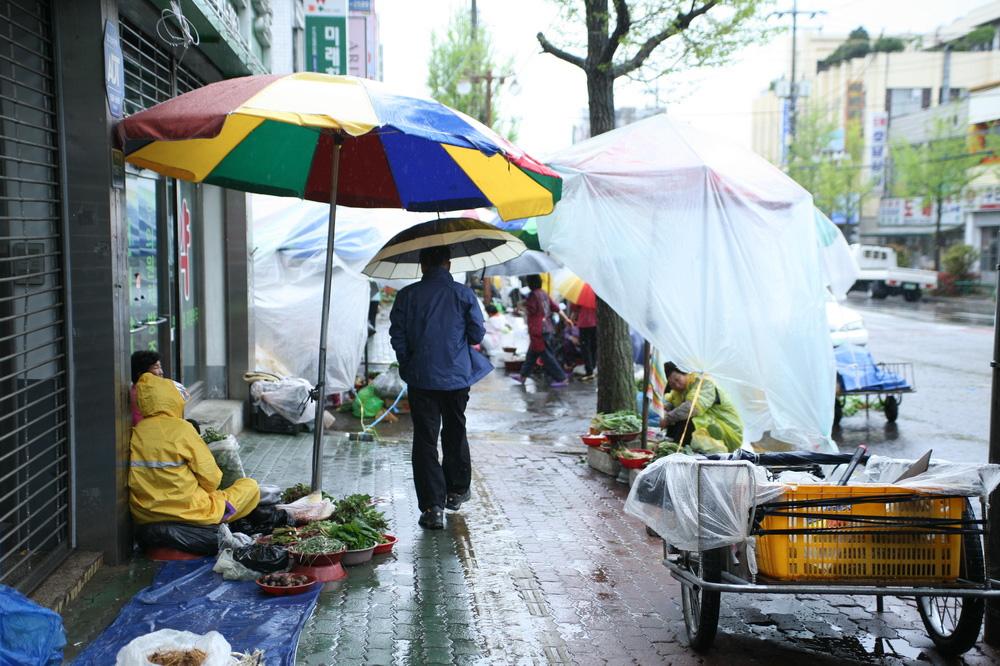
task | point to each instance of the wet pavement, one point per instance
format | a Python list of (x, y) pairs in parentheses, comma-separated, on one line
[(542, 566), (949, 412)]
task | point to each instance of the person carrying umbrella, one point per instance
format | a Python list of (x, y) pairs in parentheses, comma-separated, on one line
[(433, 325), (540, 307)]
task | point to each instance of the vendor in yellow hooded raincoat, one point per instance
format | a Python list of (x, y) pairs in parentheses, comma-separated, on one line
[(172, 475), (713, 413)]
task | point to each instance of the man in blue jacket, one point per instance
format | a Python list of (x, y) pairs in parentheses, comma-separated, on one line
[(434, 324)]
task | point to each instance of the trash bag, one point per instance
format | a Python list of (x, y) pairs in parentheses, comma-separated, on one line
[(367, 404), (216, 648), (229, 539), (262, 520), (196, 539), (269, 495), (307, 509), (388, 385), (227, 456), (231, 569), (29, 633), (290, 398), (263, 557)]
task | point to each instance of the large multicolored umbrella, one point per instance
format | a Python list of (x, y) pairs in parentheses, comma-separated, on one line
[(337, 139), (275, 134), (474, 245)]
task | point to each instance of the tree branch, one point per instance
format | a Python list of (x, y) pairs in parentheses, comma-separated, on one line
[(549, 47), (677, 26), (623, 23)]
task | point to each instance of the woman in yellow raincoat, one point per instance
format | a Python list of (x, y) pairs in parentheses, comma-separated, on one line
[(713, 413), (172, 475)]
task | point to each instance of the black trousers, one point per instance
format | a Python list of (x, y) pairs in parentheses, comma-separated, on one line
[(588, 347), (433, 413)]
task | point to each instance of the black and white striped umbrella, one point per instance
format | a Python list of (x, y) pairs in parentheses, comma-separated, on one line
[(474, 246)]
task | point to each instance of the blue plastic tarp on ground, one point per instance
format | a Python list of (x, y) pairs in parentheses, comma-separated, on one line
[(858, 372), (29, 633), (189, 596)]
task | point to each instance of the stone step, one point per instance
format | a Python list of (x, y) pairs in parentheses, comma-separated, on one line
[(65, 583)]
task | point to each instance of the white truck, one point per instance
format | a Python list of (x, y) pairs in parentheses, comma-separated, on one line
[(881, 277)]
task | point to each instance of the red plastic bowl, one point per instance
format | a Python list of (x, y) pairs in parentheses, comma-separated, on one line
[(622, 437), (636, 463), (386, 547), (281, 591), (594, 440)]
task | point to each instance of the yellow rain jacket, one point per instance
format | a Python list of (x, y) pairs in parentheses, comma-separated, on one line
[(713, 412), (172, 474)]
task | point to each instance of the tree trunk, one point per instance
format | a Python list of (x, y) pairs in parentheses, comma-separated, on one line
[(937, 236), (615, 386)]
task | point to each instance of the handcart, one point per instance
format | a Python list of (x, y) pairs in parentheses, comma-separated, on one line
[(859, 375), (880, 540)]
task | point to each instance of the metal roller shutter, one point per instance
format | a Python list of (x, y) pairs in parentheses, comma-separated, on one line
[(34, 455)]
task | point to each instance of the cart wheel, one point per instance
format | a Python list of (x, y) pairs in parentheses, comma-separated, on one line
[(701, 607), (953, 623), (891, 409), (838, 411)]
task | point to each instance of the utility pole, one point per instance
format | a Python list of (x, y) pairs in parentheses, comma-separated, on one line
[(793, 88), (474, 18), (991, 634)]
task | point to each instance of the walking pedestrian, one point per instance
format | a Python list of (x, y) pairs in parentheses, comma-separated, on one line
[(540, 307), (433, 326), (586, 321)]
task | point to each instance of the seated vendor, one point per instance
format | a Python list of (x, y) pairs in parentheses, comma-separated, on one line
[(173, 476), (696, 402)]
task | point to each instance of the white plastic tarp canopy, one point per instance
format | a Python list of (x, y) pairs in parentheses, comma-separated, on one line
[(713, 255), (289, 253)]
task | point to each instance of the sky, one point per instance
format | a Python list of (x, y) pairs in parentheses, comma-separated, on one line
[(551, 95)]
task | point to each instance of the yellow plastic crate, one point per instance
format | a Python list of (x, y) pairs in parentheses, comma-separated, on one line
[(846, 557)]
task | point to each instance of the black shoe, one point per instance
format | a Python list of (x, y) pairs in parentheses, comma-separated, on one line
[(456, 500), (432, 519)]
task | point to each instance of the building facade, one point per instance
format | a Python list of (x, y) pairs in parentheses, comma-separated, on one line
[(98, 259), (878, 90)]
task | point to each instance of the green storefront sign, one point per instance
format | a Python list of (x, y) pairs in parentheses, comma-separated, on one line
[(326, 44)]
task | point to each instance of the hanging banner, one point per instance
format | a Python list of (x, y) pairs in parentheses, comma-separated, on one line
[(326, 36)]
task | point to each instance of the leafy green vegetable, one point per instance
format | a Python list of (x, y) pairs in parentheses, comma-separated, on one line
[(356, 534), (358, 507), (284, 536), (298, 491), (212, 435), (318, 545), (617, 422)]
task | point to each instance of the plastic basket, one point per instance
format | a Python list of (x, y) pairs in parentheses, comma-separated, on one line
[(845, 556)]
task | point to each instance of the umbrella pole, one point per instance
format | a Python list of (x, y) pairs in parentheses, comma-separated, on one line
[(320, 390), (645, 392)]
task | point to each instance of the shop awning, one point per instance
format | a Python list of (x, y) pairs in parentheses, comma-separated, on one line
[(908, 230)]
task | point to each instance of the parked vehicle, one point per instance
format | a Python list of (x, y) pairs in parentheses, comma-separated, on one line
[(847, 326), (881, 277)]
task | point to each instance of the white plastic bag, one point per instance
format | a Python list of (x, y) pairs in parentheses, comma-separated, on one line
[(289, 397), (227, 456), (389, 384), (229, 539), (231, 569), (215, 647), (309, 508), (269, 495)]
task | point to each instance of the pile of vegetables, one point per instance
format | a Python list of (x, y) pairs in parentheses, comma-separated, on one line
[(298, 491), (617, 422), (355, 524), (210, 435)]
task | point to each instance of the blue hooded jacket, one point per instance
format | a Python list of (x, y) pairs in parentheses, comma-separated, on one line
[(434, 323)]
